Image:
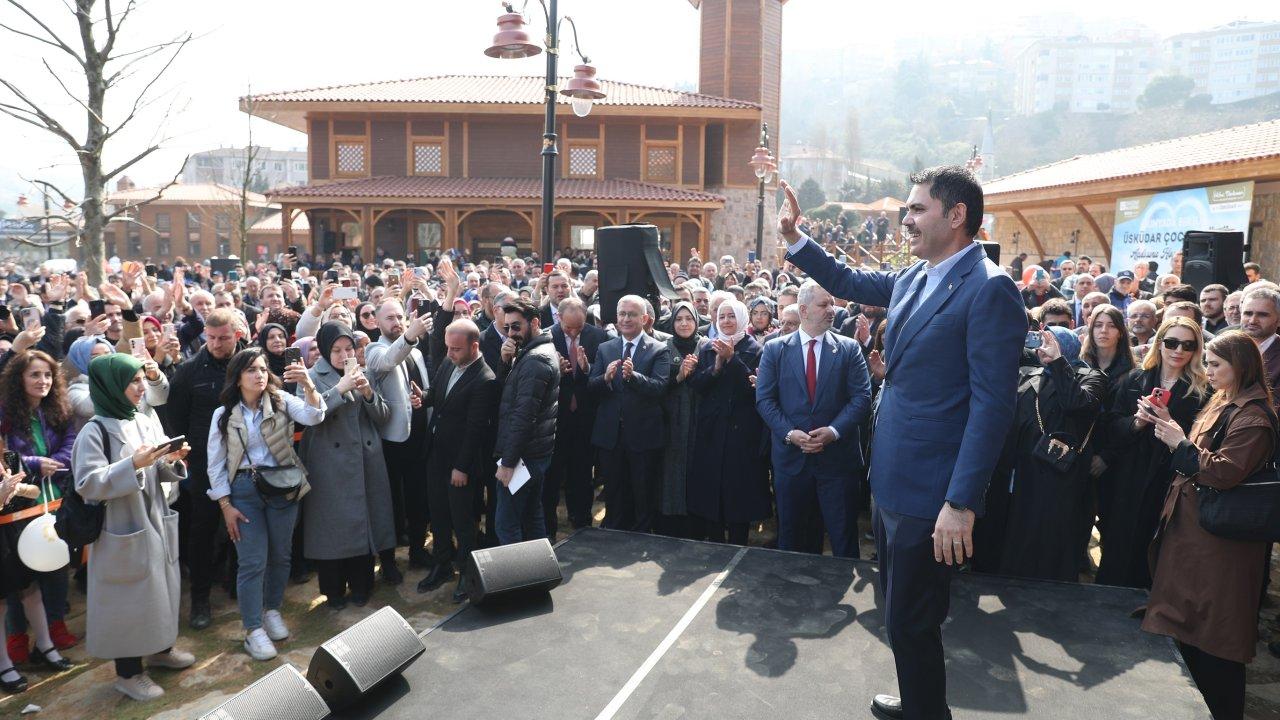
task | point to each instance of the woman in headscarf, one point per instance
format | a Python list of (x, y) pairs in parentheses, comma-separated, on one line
[(367, 320), (728, 484), (273, 339), (254, 429), (760, 312), (134, 585), (82, 351), (680, 405), (347, 515), (310, 352)]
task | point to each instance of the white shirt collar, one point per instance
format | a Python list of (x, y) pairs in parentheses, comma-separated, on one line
[(1266, 344), (945, 266), (806, 337)]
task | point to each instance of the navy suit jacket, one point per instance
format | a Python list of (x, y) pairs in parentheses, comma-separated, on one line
[(951, 377), (842, 401), (638, 404), (574, 384)]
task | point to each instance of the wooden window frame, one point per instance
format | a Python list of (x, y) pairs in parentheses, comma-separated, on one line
[(676, 170), (416, 140), (362, 140), (597, 145)]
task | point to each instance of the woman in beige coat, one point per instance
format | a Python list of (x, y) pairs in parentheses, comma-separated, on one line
[(132, 610)]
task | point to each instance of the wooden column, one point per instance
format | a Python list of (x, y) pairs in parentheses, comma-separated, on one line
[(1035, 239), (366, 246), (1097, 231)]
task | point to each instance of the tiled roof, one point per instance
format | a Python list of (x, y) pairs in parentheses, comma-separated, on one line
[(1220, 147), (496, 89), (271, 223), (419, 187), (196, 193)]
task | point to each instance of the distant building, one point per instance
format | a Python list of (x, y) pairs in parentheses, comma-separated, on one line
[(1237, 61), (1084, 76), (967, 77), (830, 170), (271, 168), (194, 221)]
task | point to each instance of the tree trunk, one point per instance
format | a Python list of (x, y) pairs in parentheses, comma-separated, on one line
[(91, 159)]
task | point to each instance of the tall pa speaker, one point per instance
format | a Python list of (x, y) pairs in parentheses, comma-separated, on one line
[(528, 566), (354, 661), (1210, 257), (630, 263), (281, 693)]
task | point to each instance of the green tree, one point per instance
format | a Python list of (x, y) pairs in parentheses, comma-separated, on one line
[(1165, 91), (810, 195)]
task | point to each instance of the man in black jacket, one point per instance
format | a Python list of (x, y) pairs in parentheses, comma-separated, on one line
[(464, 396), (193, 396), (571, 465), (526, 421)]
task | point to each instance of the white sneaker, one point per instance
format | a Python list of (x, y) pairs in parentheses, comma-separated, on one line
[(273, 623), (258, 645), (175, 659), (140, 687)]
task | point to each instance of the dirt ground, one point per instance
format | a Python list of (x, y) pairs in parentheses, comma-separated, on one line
[(223, 668)]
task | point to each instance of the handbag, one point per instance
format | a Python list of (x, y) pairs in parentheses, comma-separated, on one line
[(1058, 449), (274, 481), (1249, 511), (78, 521)]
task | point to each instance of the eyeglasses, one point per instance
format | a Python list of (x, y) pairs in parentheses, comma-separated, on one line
[(512, 327), (367, 313), (1174, 344), (1059, 323)]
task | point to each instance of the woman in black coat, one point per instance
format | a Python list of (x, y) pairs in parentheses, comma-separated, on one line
[(727, 484), (1138, 467)]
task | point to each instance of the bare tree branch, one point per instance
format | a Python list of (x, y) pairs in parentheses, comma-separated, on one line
[(70, 94), (138, 56), (54, 39), (49, 122), (138, 100), (158, 193)]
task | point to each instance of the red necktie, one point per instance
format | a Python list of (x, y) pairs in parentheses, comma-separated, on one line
[(573, 371), (811, 372)]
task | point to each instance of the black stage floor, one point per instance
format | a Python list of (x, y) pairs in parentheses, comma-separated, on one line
[(651, 627)]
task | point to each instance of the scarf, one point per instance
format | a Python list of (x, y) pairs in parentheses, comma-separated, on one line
[(274, 362), (304, 344), (329, 334), (740, 312), (81, 351), (109, 375), (689, 345)]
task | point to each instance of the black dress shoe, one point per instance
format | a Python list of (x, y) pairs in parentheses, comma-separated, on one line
[(391, 574), (360, 599), (887, 707), (419, 558), (299, 576), (201, 615), (336, 603), (38, 657), (12, 682), (439, 575), (460, 593)]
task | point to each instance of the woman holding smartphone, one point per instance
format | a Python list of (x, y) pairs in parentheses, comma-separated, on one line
[(254, 429), (36, 424), (347, 516), (1138, 467), (134, 584)]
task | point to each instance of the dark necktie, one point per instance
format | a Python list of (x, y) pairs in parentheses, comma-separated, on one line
[(626, 355), (811, 372)]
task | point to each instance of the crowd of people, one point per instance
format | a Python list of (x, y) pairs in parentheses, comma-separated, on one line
[(334, 412)]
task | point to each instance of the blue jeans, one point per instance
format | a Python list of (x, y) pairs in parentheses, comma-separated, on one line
[(266, 542), (519, 516)]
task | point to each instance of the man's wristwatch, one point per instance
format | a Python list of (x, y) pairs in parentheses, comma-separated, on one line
[(959, 508)]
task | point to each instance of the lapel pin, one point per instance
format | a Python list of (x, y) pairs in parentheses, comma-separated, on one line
[(949, 286)]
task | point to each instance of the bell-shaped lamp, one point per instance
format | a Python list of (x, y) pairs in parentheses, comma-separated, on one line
[(512, 41), (582, 90)]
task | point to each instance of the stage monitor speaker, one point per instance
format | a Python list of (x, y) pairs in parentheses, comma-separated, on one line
[(355, 660), (1210, 257), (282, 694), (529, 566), (993, 251), (630, 263)]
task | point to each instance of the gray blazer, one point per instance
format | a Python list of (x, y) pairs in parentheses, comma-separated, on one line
[(348, 511), (134, 584), (383, 361)]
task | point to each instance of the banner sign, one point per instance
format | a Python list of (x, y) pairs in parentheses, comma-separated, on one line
[(1150, 227)]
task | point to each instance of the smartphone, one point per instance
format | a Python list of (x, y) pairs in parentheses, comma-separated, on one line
[(547, 268), (344, 293), (172, 444), (349, 366), (292, 355), (346, 282), (1159, 397), (138, 348), (151, 270), (293, 250), (331, 275), (415, 303), (233, 275), (30, 318), (97, 308), (751, 256), (12, 462), (168, 329), (286, 274), (5, 312), (1034, 340), (420, 273)]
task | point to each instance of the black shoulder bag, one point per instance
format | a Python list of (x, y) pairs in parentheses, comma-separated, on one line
[(1249, 511), (78, 522), (1059, 450)]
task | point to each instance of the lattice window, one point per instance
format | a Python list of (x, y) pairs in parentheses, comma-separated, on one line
[(583, 161), (428, 159), (350, 158), (661, 164)]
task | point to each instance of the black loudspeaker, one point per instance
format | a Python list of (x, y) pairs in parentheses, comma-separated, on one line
[(1210, 258), (992, 249), (281, 693), (630, 263), (354, 661), (528, 566), (330, 243)]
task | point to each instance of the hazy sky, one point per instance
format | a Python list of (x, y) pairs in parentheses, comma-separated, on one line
[(281, 45)]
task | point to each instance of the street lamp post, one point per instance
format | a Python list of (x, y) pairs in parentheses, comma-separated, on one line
[(583, 89), (764, 165)]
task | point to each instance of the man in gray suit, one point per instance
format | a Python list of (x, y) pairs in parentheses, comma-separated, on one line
[(399, 372)]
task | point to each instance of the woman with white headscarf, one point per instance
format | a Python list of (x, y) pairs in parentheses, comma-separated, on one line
[(728, 484)]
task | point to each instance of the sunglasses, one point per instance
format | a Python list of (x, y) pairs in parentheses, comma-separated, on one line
[(512, 327), (367, 313), (1174, 344)]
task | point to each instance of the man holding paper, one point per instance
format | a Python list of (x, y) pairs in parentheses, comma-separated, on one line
[(530, 373)]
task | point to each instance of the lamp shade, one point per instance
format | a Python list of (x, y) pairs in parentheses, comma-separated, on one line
[(763, 163), (512, 41)]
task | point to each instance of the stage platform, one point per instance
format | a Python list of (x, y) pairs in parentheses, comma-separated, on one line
[(652, 627)]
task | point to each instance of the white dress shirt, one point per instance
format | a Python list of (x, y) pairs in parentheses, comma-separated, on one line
[(818, 350)]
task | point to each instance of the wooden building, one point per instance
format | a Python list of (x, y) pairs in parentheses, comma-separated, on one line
[(191, 221), (435, 163)]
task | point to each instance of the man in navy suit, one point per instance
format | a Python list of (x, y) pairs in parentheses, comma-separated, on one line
[(629, 378), (955, 331), (577, 342), (813, 391)]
